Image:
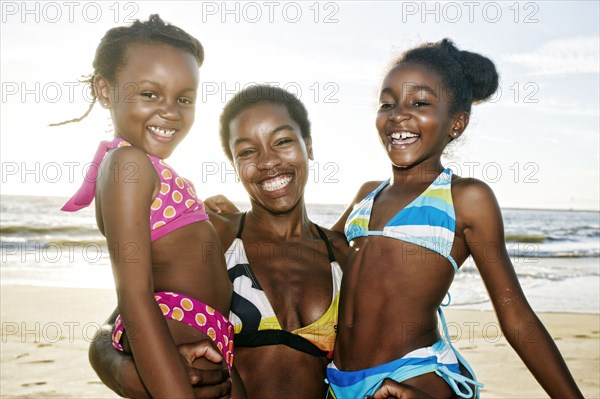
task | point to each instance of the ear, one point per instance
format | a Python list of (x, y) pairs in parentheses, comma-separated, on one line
[(309, 149), (102, 90), (460, 123)]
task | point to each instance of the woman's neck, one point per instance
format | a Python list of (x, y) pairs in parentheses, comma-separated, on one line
[(285, 225)]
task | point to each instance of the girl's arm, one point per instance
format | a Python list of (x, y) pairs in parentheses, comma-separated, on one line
[(127, 186), (362, 193), (484, 237)]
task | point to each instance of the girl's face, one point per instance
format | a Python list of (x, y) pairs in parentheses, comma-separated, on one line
[(152, 102), (270, 156), (413, 119)]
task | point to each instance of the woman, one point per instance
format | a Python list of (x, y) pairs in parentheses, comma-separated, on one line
[(284, 268)]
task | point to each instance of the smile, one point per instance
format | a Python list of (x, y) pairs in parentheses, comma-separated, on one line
[(404, 138), (161, 132), (277, 183)]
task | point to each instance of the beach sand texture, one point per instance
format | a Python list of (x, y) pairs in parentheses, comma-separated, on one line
[(46, 333)]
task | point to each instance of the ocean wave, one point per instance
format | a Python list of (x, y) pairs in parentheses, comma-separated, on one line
[(28, 230), (527, 238), (41, 243)]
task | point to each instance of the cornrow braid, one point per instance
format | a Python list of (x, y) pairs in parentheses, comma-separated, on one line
[(110, 54)]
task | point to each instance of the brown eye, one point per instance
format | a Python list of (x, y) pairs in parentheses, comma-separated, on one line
[(283, 141), (245, 153)]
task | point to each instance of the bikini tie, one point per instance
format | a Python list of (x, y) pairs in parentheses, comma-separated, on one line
[(84, 196)]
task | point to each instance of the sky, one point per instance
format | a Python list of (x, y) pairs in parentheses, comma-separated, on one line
[(536, 142)]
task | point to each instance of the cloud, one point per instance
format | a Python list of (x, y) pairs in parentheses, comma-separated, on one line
[(555, 106), (564, 56)]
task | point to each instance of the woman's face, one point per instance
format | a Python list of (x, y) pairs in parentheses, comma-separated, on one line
[(270, 156)]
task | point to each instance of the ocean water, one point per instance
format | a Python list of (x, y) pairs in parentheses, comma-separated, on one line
[(556, 254)]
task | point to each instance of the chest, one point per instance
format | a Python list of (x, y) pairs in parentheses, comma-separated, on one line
[(393, 202), (295, 277), (286, 270)]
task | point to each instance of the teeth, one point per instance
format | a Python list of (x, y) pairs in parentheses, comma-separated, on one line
[(276, 183), (162, 132), (403, 135)]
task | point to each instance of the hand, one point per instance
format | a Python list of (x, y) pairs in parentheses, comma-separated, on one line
[(207, 371), (391, 389), (220, 204)]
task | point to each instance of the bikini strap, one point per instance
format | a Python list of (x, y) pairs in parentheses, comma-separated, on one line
[(239, 233), (327, 243), (464, 380), (254, 339)]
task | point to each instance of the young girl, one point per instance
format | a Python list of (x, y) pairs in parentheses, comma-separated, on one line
[(409, 235), (167, 259)]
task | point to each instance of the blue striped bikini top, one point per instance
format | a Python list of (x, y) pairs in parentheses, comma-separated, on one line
[(428, 221)]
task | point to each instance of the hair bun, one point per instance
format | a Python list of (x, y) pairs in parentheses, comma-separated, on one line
[(481, 73)]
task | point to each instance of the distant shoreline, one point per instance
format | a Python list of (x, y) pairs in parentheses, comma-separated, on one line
[(246, 205)]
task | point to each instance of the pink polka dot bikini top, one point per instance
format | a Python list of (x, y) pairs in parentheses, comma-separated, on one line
[(175, 205)]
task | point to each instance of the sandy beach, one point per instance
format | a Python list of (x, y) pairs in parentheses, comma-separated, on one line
[(46, 333)]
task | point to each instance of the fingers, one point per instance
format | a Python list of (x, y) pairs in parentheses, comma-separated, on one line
[(221, 391), (391, 389), (220, 204), (207, 377), (200, 349), (213, 203)]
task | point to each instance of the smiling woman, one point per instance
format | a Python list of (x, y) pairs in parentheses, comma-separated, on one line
[(284, 268)]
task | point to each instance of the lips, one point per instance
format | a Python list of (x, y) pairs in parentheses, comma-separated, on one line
[(275, 183), (403, 138)]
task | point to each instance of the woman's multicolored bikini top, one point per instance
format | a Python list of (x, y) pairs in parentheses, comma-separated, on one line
[(428, 221), (254, 318), (175, 205)]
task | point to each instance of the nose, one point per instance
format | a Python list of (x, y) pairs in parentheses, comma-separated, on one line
[(399, 114), (268, 160), (169, 109)]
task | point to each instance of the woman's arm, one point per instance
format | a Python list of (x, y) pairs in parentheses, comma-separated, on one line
[(220, 204), (127, 186), (117, 370), (484, 235)]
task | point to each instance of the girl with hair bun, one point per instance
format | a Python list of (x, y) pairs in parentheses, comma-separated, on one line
[(166, 256), (408, 237)]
